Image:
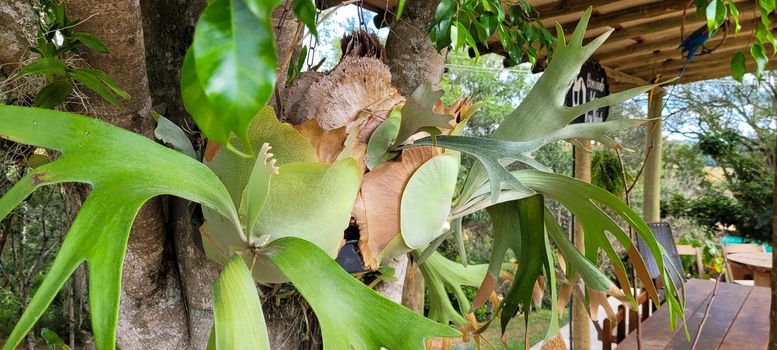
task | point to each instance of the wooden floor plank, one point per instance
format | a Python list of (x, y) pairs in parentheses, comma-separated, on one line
[(655, 330), (751, 327), (725, 307)]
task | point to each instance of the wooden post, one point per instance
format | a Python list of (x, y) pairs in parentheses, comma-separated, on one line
[(581, 322), (651, 211), (773, 313)]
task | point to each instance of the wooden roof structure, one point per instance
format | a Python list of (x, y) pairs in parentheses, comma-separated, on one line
[(643, 45)]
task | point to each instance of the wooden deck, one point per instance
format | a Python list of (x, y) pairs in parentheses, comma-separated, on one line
[(738, 319)]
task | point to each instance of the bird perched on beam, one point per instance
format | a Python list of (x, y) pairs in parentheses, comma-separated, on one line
[(691, 45)]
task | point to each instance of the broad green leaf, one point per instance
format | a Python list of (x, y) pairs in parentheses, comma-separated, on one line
[(592, 276), (594, 131), (238, 321), (418, 114), (235, 62), (381, 140), (492, 154), (757, 51), (52, 65), (303, 188), (716, 14), (583, 200), (53, 94), (738, 66), (167, 132), (352, 316), (196, 103), (257, 189), (306, 12), (91, 41), (442, 276), (489, 21), (426, 201), (125, 170)]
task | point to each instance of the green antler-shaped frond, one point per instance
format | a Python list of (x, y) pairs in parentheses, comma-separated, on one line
[(125, 170)]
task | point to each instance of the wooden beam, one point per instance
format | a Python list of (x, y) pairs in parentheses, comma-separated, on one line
[(651, 210), (620, 81), (667, 60), (671, 24), (642, 58), (631, 14), (560, 8), (722, 71)]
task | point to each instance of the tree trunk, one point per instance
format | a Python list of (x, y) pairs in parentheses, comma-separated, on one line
[(413, 60), (412, 57), (152, 305), (773, 313)]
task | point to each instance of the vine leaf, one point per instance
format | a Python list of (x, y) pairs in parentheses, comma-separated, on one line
[(108, 158), (343, 303), (238, 321), (234, 62), (418, 114)]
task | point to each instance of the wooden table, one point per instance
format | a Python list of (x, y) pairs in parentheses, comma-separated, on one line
[(738, 320), (759, 263)]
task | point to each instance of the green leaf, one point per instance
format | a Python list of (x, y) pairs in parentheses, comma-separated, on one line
[(306, 12), (441, 276), (100, 83), (381, 140), (426, 200), (735, 15), (757, 51), (238, 321), (53, 339), (107, 157), (767, 6), (196, 103), (445, 10), (235, 62), (594, 131), (583, 200), (343, 303), (489, 21), (543, 111), (738, 66), (91, 41), (418, 114), (52, 66), (716, 14), (400, 8), (167, 132), (53, 94), (257, 189), (494, 155), (295, 69), (303, 188)]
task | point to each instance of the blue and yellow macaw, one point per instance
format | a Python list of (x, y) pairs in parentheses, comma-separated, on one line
[(691, 45)]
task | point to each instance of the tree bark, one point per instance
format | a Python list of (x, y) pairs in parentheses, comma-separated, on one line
[(152, 305)]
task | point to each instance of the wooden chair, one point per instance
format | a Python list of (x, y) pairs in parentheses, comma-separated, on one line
[(692, 251), (618, 323), (736, 273)]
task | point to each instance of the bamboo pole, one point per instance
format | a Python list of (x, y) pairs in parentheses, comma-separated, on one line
[(651, 211), (581, 322)]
